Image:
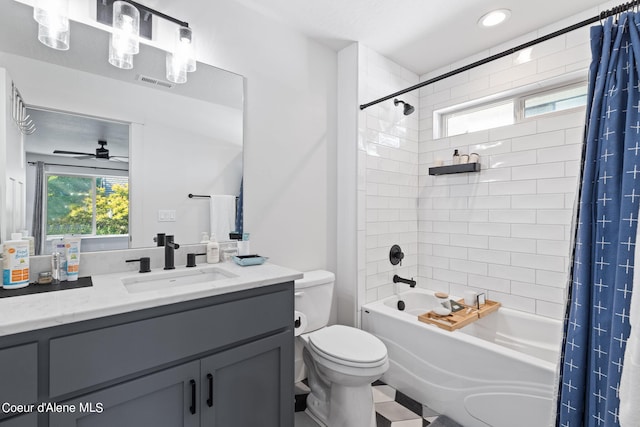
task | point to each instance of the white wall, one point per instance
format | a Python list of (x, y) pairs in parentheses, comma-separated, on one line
[(290, 129)]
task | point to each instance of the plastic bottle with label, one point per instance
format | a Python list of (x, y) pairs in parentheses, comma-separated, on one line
[(15, 262), (213, 250)]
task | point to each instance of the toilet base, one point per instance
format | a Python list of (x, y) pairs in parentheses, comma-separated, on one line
[(348, 407)]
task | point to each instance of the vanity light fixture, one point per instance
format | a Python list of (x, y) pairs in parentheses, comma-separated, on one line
[(125, 38), (493, 18), (52, 17), (124, 42)]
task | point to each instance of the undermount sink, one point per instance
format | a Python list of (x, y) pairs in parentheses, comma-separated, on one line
[(173, 278)]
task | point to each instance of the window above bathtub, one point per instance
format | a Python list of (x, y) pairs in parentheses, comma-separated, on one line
[(565, 93)]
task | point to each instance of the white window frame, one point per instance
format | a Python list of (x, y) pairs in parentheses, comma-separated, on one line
[(76, 172), (518, 95)]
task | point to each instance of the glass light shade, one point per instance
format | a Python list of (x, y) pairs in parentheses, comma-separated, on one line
[(125, 38), (52, 17), (176, 69), (120, 59), (54, 39), (53, 14), (185, 47)]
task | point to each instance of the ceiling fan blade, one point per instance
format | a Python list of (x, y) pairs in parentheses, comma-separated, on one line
[(119, 157), (72, 153)]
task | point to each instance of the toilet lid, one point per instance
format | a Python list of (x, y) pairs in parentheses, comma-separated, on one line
[(348, 344)]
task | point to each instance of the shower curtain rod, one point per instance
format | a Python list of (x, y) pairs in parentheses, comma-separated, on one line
[(603, 15)]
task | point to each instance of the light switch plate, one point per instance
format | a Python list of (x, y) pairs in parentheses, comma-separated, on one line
[(166, 215)]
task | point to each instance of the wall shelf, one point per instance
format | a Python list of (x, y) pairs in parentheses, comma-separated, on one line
[(463, 168)]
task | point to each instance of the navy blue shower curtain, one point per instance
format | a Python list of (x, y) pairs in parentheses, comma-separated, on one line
[(598, 320)]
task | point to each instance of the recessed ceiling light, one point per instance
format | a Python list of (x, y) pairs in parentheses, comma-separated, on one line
[(494, 18)]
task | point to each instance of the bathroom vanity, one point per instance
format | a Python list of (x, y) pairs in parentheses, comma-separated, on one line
[(215, 353)]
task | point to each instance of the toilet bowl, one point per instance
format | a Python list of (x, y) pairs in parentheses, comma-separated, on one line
[(341, 361)]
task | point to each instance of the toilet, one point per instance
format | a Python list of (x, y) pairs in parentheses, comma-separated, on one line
[(340, 361)]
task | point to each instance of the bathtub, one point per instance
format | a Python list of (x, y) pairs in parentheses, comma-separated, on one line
[(500, 371)]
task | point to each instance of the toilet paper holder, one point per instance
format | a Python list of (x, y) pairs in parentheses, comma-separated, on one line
[(297, 322)]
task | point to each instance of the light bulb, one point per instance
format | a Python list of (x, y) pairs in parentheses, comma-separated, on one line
[(176, 69), (494, 18), (126, 28)]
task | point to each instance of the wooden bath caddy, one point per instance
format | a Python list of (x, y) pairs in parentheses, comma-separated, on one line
[(460, 318)]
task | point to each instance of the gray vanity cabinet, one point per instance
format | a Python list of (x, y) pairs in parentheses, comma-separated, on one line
[(231, 396), (220, 361), (19, 374), (237, 387), (162, 399)]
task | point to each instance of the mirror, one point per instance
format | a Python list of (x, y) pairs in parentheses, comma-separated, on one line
[(181, 139)]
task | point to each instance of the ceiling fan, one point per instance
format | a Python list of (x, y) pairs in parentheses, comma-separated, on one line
[(102, 153)]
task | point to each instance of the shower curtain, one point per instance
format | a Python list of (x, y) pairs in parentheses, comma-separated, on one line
[(602, 276)]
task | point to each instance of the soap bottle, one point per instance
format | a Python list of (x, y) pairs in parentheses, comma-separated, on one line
[(58, 248), (243, 245), (213, 250), (456, 157)]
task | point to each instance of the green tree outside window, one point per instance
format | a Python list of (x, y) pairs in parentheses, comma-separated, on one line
[(76, 203)]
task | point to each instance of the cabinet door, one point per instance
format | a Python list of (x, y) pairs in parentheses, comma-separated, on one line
[(29, 420), (168, 398), (19, 375), (250, 385)]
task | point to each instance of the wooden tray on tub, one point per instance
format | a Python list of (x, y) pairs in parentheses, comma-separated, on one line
[(460, 318)]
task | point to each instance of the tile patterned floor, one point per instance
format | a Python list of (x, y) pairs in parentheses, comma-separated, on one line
[(393, 408)]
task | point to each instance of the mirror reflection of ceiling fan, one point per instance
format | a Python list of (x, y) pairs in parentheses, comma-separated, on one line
[(102, 153)]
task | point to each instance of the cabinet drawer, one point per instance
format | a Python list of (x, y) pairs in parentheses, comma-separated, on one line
[(19, 375), (90, 358)]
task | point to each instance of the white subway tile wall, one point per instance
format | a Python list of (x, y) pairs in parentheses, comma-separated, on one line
[(389, 161), (506, 230)]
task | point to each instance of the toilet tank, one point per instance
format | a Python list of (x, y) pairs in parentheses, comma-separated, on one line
[(313, 296)]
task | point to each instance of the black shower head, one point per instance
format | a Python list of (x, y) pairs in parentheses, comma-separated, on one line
[(408, 108)]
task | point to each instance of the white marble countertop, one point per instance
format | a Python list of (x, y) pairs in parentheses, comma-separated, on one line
[(108, 296)]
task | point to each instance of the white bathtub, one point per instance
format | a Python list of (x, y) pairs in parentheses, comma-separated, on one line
[(499, 371)]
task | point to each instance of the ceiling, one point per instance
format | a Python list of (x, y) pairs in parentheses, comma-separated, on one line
[(420, 35), (63, 131)]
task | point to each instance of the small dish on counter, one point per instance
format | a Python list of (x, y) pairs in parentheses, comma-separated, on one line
[(245, 260)]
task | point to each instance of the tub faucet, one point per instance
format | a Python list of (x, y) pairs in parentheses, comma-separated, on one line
[(169, 249), (410, 282)]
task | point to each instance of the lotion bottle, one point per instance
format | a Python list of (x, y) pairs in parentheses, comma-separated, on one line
[(15, 258), (213, 250)]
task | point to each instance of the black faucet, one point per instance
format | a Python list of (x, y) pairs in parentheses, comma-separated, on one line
[(169, 247), (410, 282)]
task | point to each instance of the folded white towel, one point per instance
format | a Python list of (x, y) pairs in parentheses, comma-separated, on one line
[(223, 216)]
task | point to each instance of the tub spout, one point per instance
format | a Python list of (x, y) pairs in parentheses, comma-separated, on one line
[(410, 282)]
